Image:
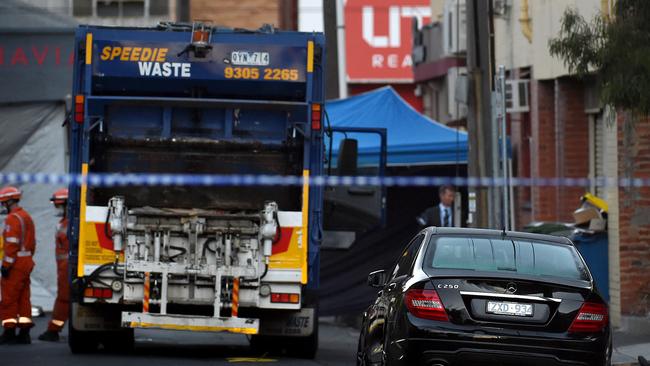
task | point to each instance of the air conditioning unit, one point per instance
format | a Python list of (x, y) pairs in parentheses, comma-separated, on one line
[(517, 100), (501, 8), (454, 27), (457, 90)]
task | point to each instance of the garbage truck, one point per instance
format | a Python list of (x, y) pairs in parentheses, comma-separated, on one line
[(198, 101)]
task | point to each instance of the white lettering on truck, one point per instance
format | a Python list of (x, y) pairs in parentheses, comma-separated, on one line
[(165, 69)]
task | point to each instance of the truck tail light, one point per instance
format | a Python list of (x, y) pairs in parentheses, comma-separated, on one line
[(99, 293), (285, 298), (426, 304), (591, 318), (79, 109), (316, 115)]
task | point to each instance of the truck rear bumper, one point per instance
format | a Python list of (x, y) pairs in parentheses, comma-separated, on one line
[(189, 322)]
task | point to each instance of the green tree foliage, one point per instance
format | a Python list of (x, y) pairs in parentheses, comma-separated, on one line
[(617, 49)]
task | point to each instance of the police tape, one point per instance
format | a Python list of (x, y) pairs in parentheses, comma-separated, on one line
[(209, 180)]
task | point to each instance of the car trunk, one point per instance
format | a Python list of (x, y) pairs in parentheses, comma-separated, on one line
[(511, 303)]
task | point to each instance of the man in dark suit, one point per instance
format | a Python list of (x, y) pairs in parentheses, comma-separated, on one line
[(441, 215)]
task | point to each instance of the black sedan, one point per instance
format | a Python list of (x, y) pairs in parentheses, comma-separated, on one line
[(486, 297)]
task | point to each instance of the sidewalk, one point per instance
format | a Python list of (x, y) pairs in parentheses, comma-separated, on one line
[(628, 347)]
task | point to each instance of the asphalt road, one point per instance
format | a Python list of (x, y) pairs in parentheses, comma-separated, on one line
[(337, 347)]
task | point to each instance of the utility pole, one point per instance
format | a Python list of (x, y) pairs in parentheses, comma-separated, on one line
[(331, 43), (182, 10), (500, 120), (340, 43), (479, 118)]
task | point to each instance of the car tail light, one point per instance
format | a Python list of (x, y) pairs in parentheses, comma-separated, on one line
[(285, 298), (426, 304), (591, 318), (97, 292)]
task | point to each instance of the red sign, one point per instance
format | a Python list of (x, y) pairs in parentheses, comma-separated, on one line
[(36, 55), (378, 38)]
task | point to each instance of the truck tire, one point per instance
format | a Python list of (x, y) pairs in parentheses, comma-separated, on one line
[(122, 341), (305, 347), (81, 342), (115, 339), (298, 347)]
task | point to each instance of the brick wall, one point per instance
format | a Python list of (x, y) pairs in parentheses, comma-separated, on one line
[(634, 219), (519, 137), (574, 143), (560, 138), (250, 14), (542, 113), (520, 134)]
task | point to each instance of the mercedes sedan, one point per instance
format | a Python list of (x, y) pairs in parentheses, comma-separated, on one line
[(486, 297)]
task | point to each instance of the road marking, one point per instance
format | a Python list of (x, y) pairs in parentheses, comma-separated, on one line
[(249, 359)]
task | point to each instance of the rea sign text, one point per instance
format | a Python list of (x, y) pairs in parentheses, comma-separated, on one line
[(378, 38)]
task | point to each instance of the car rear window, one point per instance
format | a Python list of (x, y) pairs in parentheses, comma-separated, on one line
[(505, 256)]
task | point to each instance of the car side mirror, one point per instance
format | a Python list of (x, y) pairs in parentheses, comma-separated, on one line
[(377, 278)]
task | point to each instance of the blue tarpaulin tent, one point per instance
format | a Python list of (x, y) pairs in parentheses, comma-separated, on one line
[(413, 139)]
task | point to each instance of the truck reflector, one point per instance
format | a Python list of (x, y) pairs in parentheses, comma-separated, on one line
[(79, 108), (89, 48), (316, 115)]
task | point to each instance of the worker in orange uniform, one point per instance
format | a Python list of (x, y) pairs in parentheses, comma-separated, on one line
[(17, 265), (62, 303)]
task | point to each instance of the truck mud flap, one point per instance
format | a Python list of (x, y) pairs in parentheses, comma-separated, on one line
[(95, 317), (295, 323), (187, 322)]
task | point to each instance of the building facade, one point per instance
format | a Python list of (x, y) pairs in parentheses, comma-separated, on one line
[(248, 14), (557, 129), (564, 132), (439, 57), (138, 13)]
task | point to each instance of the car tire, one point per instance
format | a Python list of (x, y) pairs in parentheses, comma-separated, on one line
[(360, 354), (608, 354), (367, 362)]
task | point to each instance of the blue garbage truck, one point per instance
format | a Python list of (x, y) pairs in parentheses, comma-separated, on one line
[(193, 99)]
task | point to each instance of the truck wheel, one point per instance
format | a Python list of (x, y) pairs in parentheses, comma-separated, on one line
[(264, 345), (81, 342), (299, 347), (304, 347), (121, 341)]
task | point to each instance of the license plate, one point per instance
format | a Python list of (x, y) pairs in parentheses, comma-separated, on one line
[(509, 308), (246, 58)]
